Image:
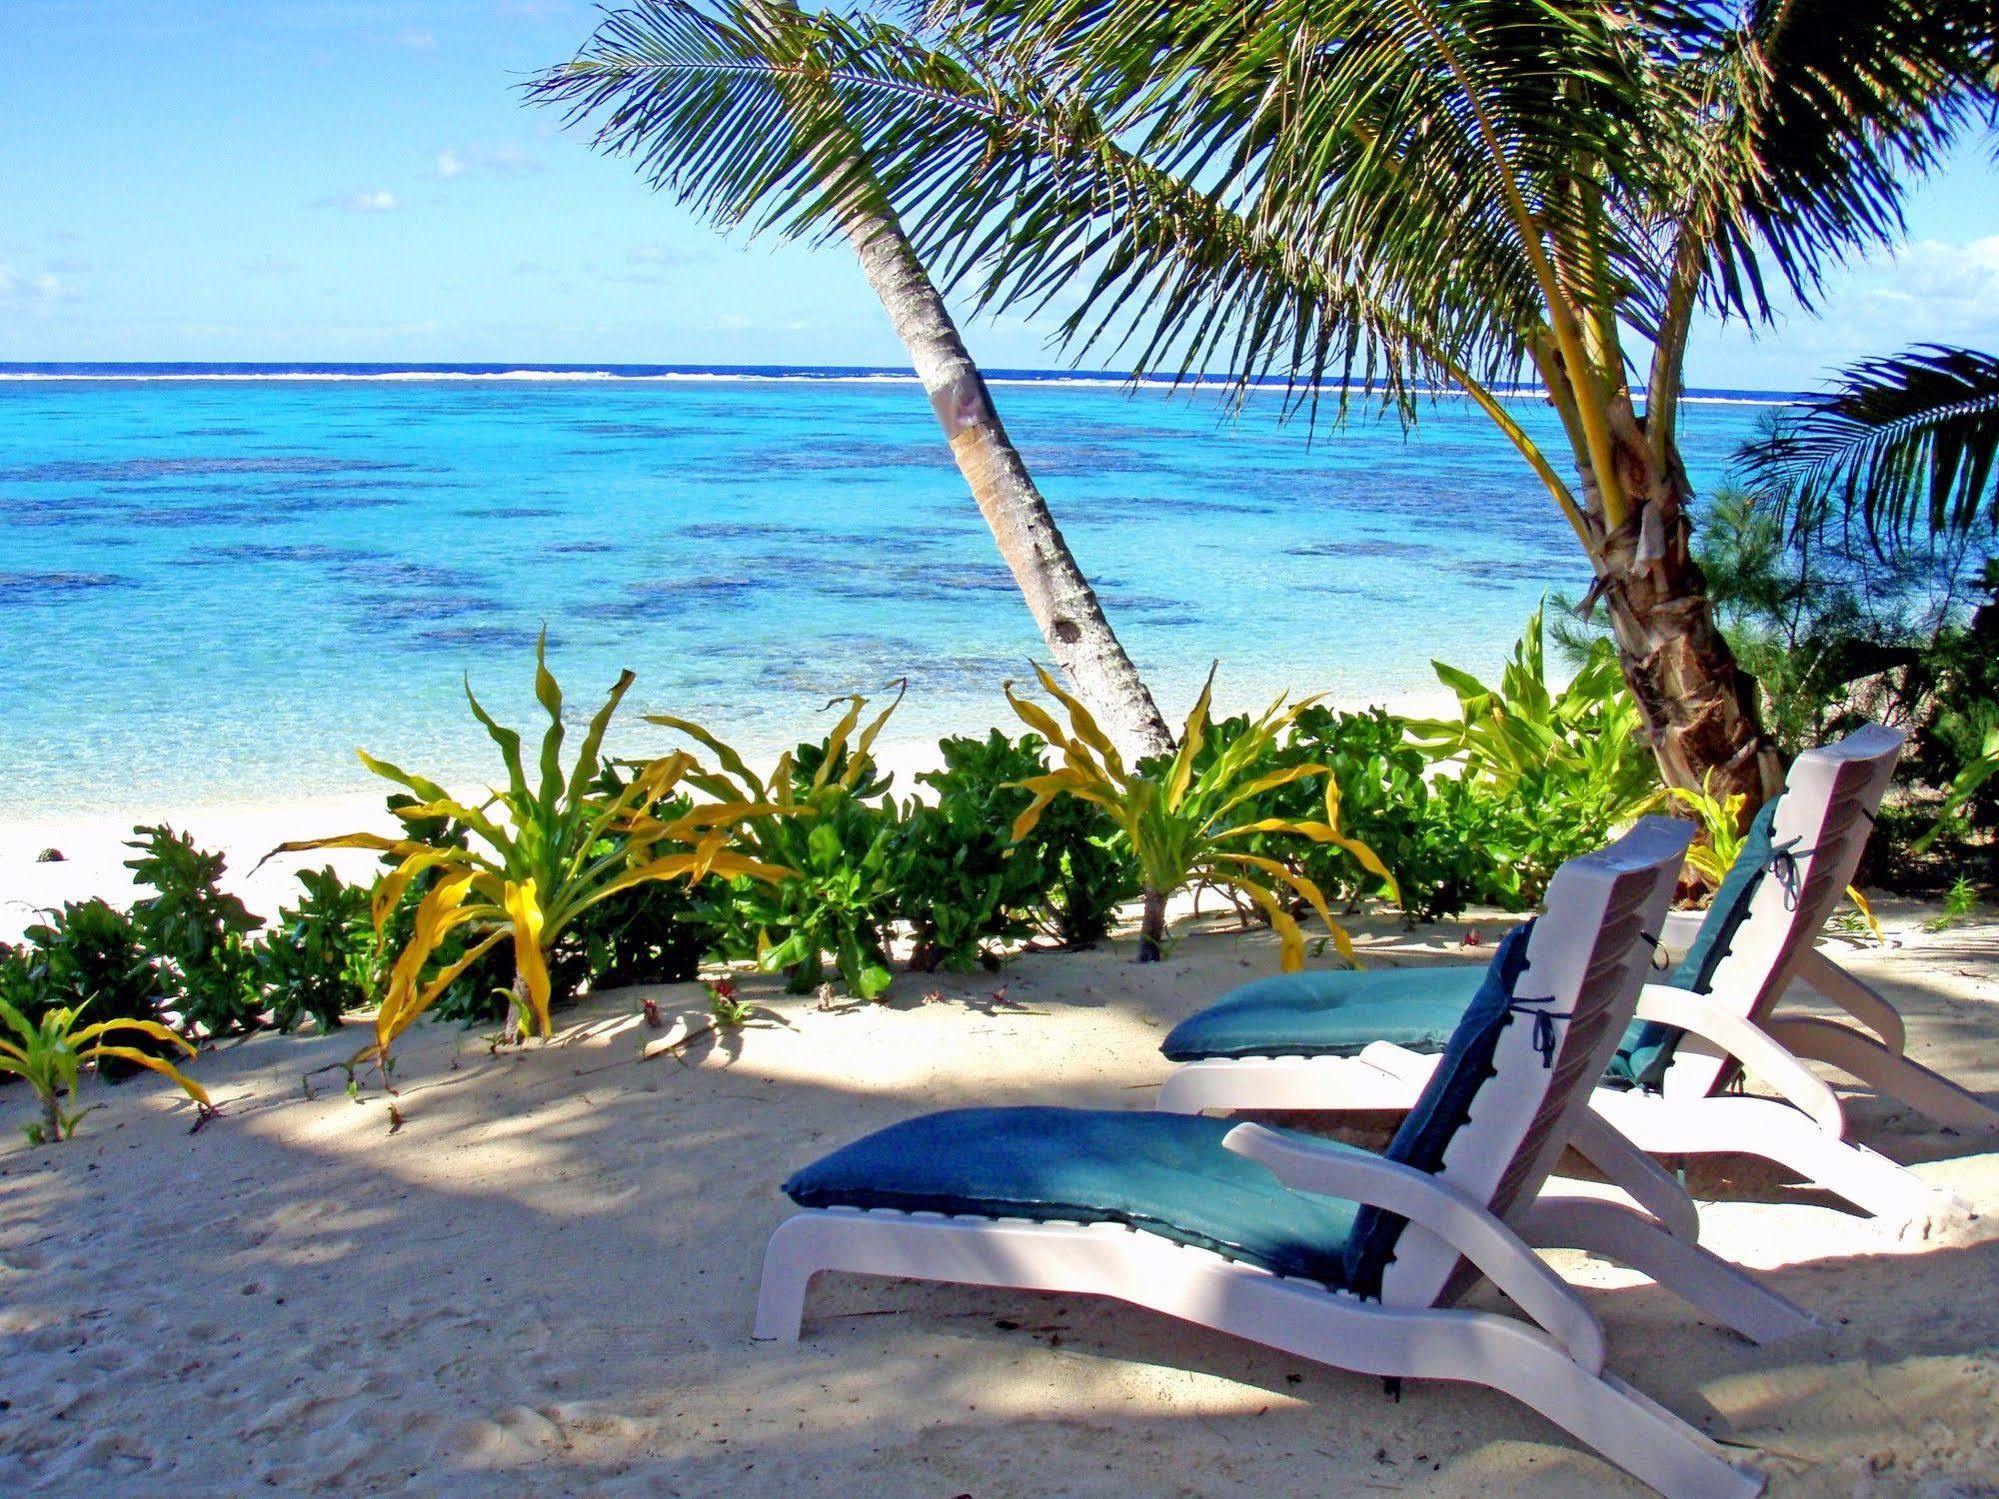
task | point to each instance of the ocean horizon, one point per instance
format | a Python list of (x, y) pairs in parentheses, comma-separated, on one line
[(222, 578)]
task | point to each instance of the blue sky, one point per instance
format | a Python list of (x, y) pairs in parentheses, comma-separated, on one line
[(356, 179)]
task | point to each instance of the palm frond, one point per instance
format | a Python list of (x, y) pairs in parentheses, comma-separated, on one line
[(1902, 442)]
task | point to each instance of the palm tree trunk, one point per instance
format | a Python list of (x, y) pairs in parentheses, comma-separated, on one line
[(1059, 597), (1700, 708), (1152, 927)]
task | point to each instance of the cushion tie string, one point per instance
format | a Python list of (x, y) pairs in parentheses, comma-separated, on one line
[(1660, 961), (1784, 865), (1544, 1023)]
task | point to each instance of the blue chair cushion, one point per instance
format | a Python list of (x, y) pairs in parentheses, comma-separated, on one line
[(1164, 1173), (1330, 1013), (1443, 1107), (1648, 1047)]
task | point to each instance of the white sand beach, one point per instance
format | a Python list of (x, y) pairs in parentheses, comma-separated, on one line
[(543, 1283)]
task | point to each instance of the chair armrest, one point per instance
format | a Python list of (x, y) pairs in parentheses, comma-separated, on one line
[(1699, 1015), (1853, 995), (1335, 1170)]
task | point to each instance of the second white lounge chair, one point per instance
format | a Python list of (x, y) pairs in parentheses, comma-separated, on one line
[(1340, 1041)]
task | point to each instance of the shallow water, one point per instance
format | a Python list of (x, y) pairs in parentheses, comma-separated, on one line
[(212, 590)]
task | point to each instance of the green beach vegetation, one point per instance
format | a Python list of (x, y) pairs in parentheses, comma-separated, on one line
[(601, 874)]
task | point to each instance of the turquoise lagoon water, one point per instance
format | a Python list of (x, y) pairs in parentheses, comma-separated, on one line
[(213, 589)]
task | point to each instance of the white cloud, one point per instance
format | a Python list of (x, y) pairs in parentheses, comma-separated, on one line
[(1948, 282), (417, 41), (380, 200), (40, 287), (507, 159)]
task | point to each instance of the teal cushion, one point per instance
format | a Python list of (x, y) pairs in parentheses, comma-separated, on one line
[(1330, 1013), (1444, 1106), (1165, 1173), (1648, 1047)]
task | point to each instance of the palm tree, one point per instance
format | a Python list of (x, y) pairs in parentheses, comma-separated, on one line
[(1905, 443), (1389, 196), (618, 66)]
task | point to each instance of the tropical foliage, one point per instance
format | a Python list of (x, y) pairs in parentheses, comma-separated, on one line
[(1907, 443), (50, 1053), (199, 933), (316, 961), (824, 818), (538, 856), (1351, 195), (1545, 773), (1183, 820), (969, 892), (87, 953)]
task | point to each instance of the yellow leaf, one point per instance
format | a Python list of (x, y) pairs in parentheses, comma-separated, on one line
[(837, 740), (1191, 739), (524, 910), (1853, 894), (160, 1065), (1291, 941), (1024, 824), (864, 747), (443, 980), (1035, 717), (145, 1027), (1085, 726), (389, 890)]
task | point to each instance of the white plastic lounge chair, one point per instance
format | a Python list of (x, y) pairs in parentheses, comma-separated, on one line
[(1343, 1041), (1323, 1250)]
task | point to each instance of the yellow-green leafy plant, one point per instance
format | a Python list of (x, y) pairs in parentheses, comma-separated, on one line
[(1175, 814), (1720, 818), (526, 861), (825, 815), (49, 1053)]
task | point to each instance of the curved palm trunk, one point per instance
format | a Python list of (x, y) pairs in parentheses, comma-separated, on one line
[(1058, 595), (1700, 708)]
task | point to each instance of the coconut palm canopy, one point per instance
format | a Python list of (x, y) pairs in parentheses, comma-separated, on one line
[(1906, 443), (1372, 196)]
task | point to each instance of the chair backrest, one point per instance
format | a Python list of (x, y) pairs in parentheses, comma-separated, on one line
[(1586, 959), (1816, 839)]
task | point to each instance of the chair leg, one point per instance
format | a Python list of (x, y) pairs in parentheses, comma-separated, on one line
[(1635, 1432), (1499, 1352), (1777, 1132), (1612, 1231), (790, 1261), (1885, 1071), (1857, 998), (1649, 1184)]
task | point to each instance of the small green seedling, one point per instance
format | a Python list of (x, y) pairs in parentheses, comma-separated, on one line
[(50, 1055)]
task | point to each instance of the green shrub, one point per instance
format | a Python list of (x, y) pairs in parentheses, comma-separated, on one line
[(1544, 775), (316, 961), (197, 933), (965, 887), (86, 953), (823, 815)]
